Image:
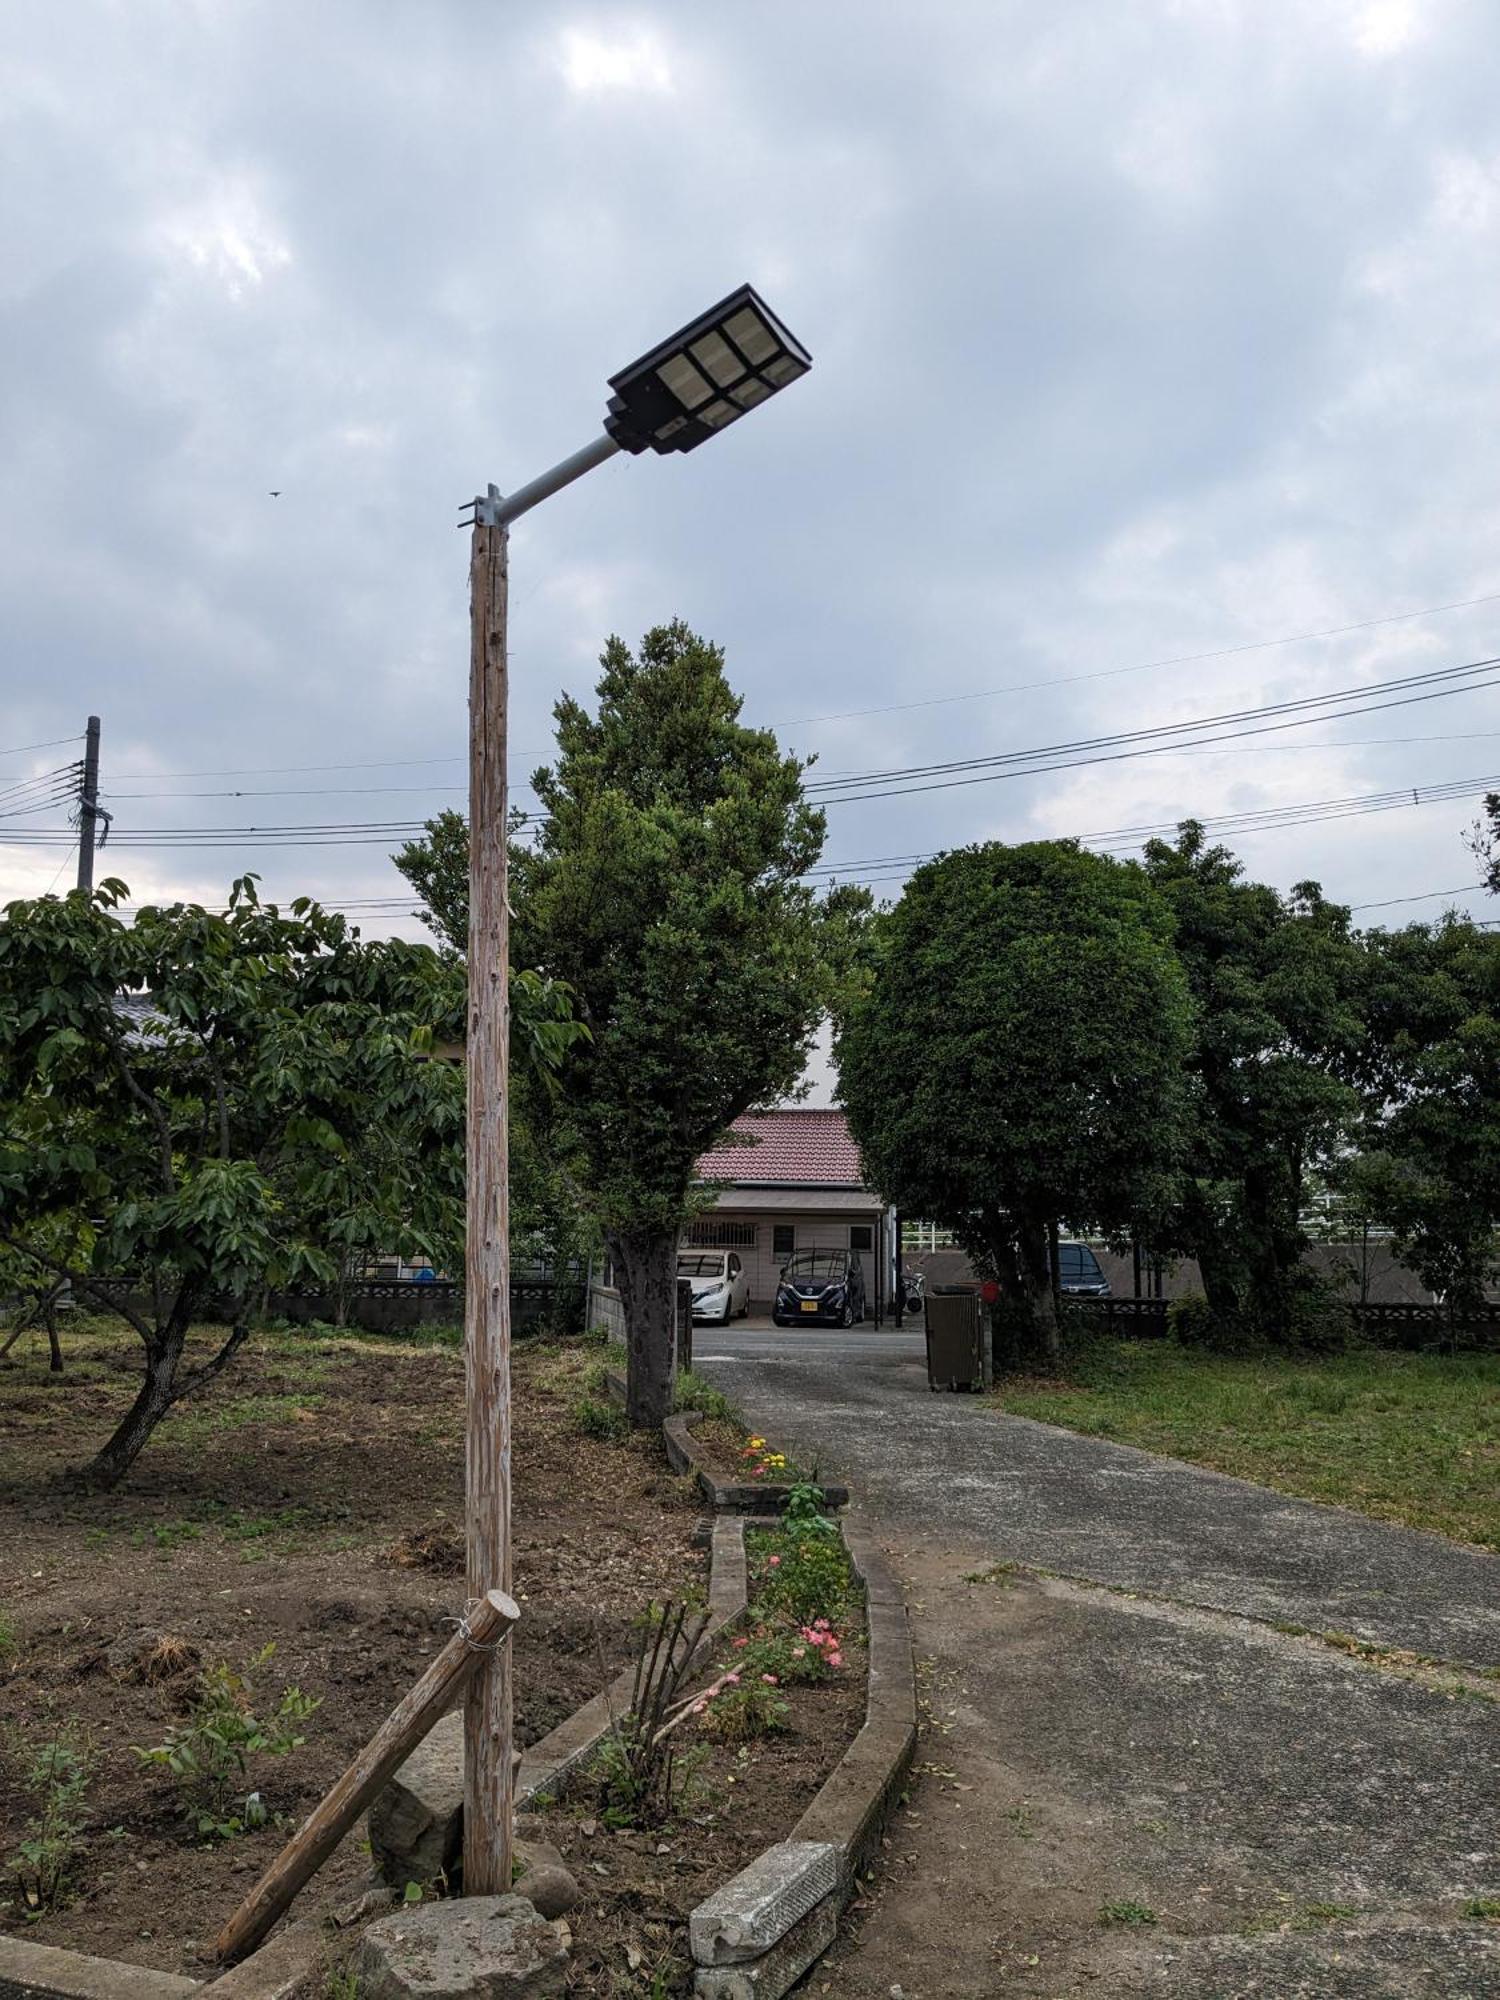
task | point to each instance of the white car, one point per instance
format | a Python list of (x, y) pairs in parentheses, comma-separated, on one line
[(721, 1287)]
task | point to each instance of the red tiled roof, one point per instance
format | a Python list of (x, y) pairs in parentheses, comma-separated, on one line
[(789, 1148)]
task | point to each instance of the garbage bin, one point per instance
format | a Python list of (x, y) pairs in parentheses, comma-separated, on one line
[(955, 1338)]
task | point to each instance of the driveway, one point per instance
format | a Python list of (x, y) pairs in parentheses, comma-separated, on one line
[(1135, 1777)]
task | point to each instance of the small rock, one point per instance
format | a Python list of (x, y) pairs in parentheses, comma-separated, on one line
[(471, 1948), (544, 1878)]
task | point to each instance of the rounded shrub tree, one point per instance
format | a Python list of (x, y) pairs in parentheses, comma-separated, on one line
[(1019, 1057)]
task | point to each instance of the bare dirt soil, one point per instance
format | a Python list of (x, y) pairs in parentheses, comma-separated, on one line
[(313, 1500)]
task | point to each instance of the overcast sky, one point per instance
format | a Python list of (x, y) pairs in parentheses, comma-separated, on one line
[(1139, 332)]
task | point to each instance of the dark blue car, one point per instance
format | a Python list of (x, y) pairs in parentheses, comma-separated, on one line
[(820, 1288)]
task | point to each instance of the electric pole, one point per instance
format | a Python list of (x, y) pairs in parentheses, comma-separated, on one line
[(88, 805)]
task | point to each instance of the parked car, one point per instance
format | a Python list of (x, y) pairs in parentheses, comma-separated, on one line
[(1079, 1272), (820, 1288), (721, 1288)]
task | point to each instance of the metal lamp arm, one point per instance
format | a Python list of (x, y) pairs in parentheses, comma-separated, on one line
[(497, 510)]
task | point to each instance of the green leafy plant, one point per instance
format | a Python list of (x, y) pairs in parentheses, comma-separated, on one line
[(8, 1639), (695, 1392), (1485, 1908), (802, 1575), (597, 1419), (208, 1756), (56, 1777), (1126, 1912), (746, 1709), (804, 1508)]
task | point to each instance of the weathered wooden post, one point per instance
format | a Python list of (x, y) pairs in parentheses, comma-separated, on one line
[(488, 1769)]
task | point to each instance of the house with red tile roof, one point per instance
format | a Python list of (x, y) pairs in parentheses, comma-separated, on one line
[(788, 1180)]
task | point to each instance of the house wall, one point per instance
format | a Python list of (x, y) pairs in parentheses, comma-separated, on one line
[(812, 1229)]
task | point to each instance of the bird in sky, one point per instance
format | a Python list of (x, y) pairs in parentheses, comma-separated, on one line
[(275, 492)]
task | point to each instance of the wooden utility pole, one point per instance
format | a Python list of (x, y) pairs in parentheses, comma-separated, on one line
[(488, 1769), (88, 805)]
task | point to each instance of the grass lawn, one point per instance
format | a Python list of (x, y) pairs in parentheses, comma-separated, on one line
[(1405, 1437)]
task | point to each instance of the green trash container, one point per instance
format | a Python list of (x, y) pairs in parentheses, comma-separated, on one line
[(955, 1338)]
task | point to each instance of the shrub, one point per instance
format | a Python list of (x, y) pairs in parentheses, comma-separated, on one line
[(802, 1575), (209, 1754), (598, 1419), (745, 1709), (56, 1777), (1191, 1321), (791, 1654), (694, 1393)]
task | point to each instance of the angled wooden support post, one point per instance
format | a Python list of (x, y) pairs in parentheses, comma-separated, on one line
[(489, 1781), (486, 1626)]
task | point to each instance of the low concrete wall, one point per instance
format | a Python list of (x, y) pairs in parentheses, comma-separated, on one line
[(40, 1972)]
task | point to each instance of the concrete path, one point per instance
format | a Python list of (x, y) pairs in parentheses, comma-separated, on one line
[(1132, 1781)]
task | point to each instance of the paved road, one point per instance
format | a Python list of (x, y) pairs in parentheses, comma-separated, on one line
[(1296, 1821)]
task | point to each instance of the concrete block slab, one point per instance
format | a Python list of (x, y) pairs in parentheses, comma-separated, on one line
[(779, 1969), (42, 1972), (756, 1908), (278, 1971)]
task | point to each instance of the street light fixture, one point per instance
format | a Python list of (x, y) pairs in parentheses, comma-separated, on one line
[(725, 362)]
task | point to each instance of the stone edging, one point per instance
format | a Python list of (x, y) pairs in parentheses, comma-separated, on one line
[(724, 1496), (50, 1974), (416, 1825), (757, 1935)]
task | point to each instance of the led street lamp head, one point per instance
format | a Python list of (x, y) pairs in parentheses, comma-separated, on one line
[(705, 377)]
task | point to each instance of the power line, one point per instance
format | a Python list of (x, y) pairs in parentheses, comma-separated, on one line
[(1144, 666), (51, 743), (1425, 896), (995, 767)]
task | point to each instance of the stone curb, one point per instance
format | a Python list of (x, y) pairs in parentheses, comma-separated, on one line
[(727, 1496), (723, 1495), (416, 1825), (844, 1821), (42, 1972)]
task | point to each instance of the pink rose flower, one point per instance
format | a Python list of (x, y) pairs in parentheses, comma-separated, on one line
[(799, 1652), (699, 1706), (742, 1642), (774, 1561), (732, 1679), (770, 1680), (835, 1659)]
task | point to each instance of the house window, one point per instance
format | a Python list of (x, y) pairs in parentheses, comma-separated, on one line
[(711, 1234), (783, 1238), (862, 1236)]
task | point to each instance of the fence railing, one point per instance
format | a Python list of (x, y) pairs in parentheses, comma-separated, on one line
[(393, 1305), (1405, 1325)]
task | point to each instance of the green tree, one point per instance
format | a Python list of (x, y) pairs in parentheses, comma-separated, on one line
[(1018, 1057), (213, 1140), (664, 888), (1276, 981), (1429, 1167)]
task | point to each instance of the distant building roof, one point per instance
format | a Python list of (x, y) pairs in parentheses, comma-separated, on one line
[(792, 1148)]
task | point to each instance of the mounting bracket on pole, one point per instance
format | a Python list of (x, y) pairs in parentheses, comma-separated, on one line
[(483, 511)]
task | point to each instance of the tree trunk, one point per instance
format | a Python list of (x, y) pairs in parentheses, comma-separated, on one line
[(54, 1345), (646, 1271), (109, 1466), (1035, 1265)]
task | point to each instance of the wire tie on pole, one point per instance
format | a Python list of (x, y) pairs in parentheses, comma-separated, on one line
[(466, 1631)]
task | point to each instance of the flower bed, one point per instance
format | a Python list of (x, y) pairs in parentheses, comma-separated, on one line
[(754, 1739)]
